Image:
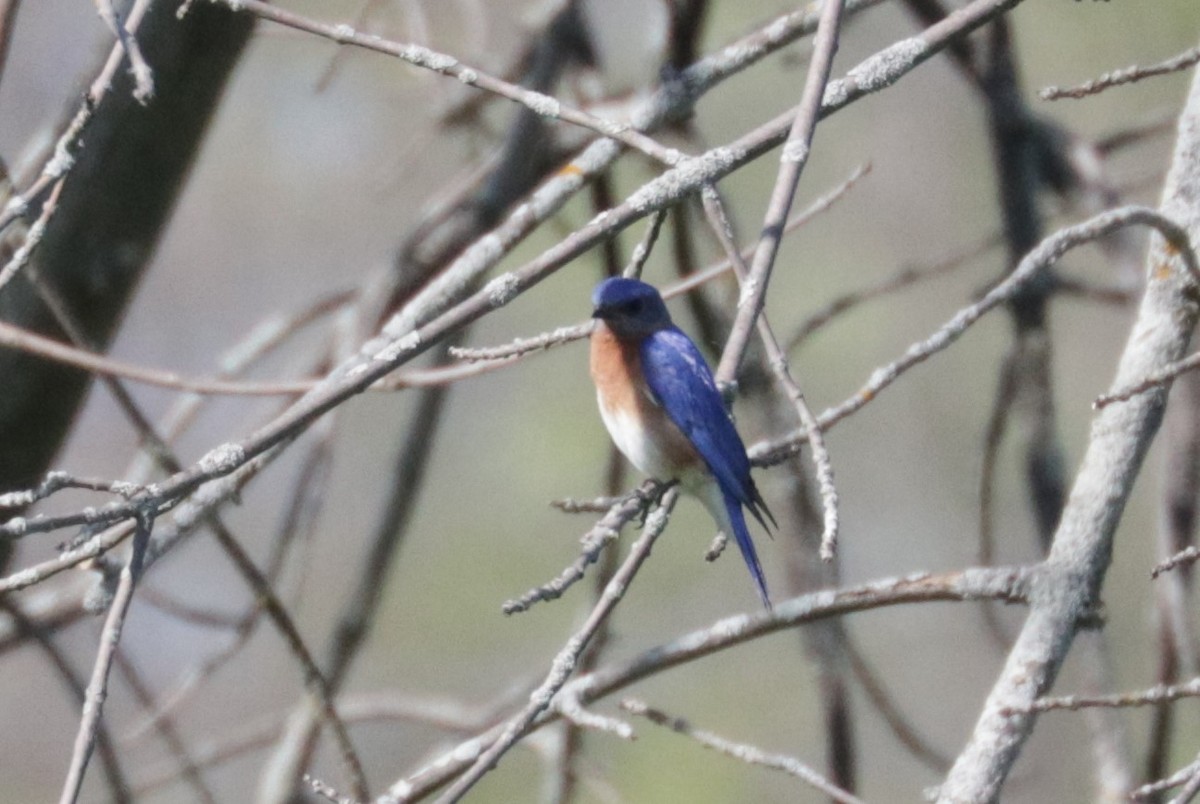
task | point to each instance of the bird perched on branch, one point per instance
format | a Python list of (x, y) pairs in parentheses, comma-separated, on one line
[(662, 408)]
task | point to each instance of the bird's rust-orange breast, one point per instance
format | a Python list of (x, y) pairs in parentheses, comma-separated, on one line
[(639, 426), (616, 370)]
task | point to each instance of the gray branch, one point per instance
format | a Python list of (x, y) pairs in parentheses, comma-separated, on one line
[(1069, 584)]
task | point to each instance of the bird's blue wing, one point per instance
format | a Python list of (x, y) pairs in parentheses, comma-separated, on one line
[(683, 385)]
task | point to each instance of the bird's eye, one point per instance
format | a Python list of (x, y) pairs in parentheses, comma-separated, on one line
[(634, 306)]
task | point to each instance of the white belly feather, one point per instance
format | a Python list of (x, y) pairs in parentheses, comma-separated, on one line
[(630, 438)]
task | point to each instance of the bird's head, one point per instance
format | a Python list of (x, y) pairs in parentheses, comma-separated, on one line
[(630, 307)]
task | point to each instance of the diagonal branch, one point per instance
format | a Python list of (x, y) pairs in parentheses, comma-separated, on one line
[(1009, 584), (566, 660)]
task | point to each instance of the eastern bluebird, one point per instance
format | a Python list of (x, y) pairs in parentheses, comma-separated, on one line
[(662, 408)]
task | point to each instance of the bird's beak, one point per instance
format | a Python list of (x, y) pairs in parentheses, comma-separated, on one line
[(599, 312)]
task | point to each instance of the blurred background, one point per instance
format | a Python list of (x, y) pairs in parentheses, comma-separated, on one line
[(318, 165)]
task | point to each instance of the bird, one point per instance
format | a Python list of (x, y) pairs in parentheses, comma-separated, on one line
[(662, 409)]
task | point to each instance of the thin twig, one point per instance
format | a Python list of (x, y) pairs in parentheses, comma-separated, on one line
[(904, 277), (143, 77), (1174, 780), (1048, 252), (779, 366), (564, 663), (1154, 695), (749, 754), (56, 481), (642, 252), (97, 690), (1124, 76), (618, 513), (999, 583), (1186, 556), (1156, 380), (523, 346), (542, 104), (596, 505), (758, 275)]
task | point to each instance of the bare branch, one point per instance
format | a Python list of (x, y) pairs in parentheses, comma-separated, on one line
[(1182, 776), (97, 689), (1082, 543), (1047, 253), (779, 365), (994, 583), (1183, 557), (1154, 695), (1124, 76), (749, 754), (564, 662), (143, 77), (792, 161), (601, 535)]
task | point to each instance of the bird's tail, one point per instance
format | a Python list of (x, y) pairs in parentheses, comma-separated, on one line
[(727, 511)]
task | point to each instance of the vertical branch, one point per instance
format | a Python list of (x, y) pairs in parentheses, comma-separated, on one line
[(796, 149), (1020, 142), (1176, 532), (97, 689), (1072, 576), (791, 165)]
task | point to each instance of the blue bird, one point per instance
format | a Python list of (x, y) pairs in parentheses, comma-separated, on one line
[(662, 408)]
